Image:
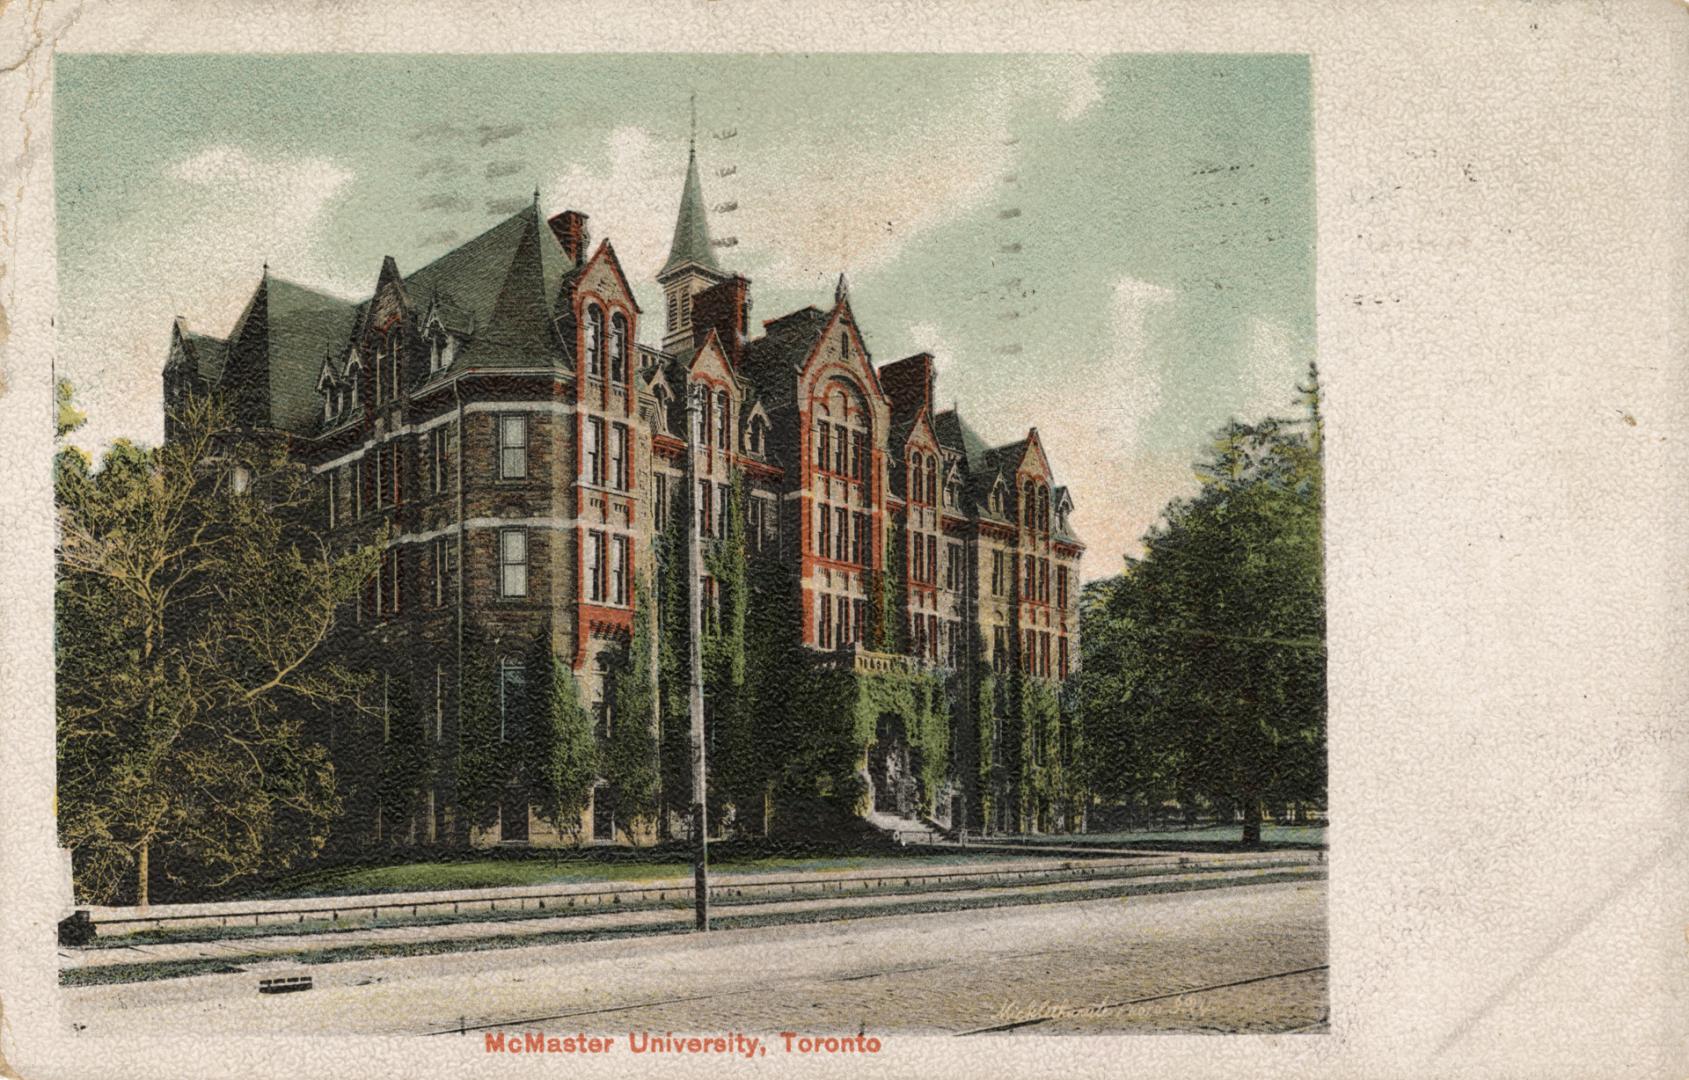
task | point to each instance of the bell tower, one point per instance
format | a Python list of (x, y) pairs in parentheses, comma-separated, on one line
[(691, 266)]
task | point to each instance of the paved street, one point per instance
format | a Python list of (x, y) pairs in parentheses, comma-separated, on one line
[(1083, 967)]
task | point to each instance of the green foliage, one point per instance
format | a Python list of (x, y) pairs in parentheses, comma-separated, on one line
[(557, 749), (67, 417), (407, 759), (191, 679), (1204, 663), (481, 770), (629, 756)]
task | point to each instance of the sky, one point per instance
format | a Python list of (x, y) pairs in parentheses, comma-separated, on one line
[(1116, 250)]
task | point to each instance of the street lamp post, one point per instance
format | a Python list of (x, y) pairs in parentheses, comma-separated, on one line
[(695, 659)]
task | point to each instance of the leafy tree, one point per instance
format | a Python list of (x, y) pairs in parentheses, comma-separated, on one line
[(1212, 644), (481, 772), (629, 755), (559, 753), (193, 601)]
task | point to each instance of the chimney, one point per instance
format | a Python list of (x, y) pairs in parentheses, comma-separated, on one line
[(725, 308), (570, 229)]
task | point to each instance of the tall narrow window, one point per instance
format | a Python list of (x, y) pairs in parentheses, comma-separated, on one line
[(592, 454), (932, 479), (393, 381), (721, 496), (823, 443), (439, 703), (438, 463), (512, 447), (512, 686), (915, 479), (594, 343), (659, 500), (841, 450), (618, 348), (826, 622), (722, 426), (513, 562), (860, 464), (841, 539), (843, 634), (860, 622), (1061, 587), (824, 535), (932, 559), (704, 515), (858, 538), (439, 546), (996, 573), (594, 570), (619, 570), (753, 523), (619, 457)]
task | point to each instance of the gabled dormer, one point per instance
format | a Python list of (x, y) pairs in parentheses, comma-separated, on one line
[(755, 431), (445, 330)]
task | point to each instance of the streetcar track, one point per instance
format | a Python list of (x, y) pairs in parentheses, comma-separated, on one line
[(1086, 1010)]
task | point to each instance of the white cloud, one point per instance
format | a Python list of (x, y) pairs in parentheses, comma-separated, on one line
[(1272, 366), (929, 338), (631, 196), (225, 211)]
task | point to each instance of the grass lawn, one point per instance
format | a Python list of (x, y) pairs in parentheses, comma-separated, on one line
[(537, 870), (1206, 834)]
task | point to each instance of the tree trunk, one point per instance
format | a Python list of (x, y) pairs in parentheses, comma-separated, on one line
[(1251, 822), (141, 873)]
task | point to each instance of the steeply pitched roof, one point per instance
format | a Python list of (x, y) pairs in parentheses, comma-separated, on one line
[(771, 361), (276, 350), (955, 434), (503, 283), (691, 242), (206, 355)]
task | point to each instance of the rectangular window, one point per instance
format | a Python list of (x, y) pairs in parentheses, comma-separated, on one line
[(953, 568), (439, 703), (704, 515), (513, 562), (592, 451), (860, 461), (438, 469), (1061, 651), (824, 534), (619, 457), (858, 538), (841, 449), (721, 494), (512, 688), (841, 539), (824, 624), (932, 559), (1044, 581), (917, 631), (722, 416), (659, 500), (843, 635), (513, 447), (996, 573), (999, 650), (753, 522), (860, 621), (1061, 588), (594, 570), (932, 636), (1044, 652), (619, 570), (823, 443), (916, 548), (440, 545), (1031, 590)]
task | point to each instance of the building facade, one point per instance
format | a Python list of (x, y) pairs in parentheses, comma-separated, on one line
[(493, 421)]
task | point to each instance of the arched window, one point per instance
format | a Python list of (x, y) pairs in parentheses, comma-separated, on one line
[(932, 479), (722, 427), (1044, 509), (354, 376), (915, 478), (594, 342), (618, 347), (1028, 504), (758, 436)]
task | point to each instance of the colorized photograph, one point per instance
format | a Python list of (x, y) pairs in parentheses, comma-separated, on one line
[(656, 556)]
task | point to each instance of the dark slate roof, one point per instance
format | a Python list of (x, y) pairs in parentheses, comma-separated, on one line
[(771, 361), (276, 351), (206, 355), (1056, 497), (504, 285), (691, 228), (954, 434)]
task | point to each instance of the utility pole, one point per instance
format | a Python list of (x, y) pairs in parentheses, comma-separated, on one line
[(695, 650)]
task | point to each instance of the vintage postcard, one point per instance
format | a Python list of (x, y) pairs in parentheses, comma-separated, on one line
[(710, 558)]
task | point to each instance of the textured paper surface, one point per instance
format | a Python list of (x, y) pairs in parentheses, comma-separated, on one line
[(1501, 331)]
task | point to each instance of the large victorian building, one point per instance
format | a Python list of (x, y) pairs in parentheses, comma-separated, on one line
[(494, 417)]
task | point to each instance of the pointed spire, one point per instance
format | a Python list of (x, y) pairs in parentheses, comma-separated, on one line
[(691, 227), (841, 291)]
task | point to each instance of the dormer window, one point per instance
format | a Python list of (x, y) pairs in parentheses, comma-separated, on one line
[(354, 376), (661, 417), (756, 439)]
